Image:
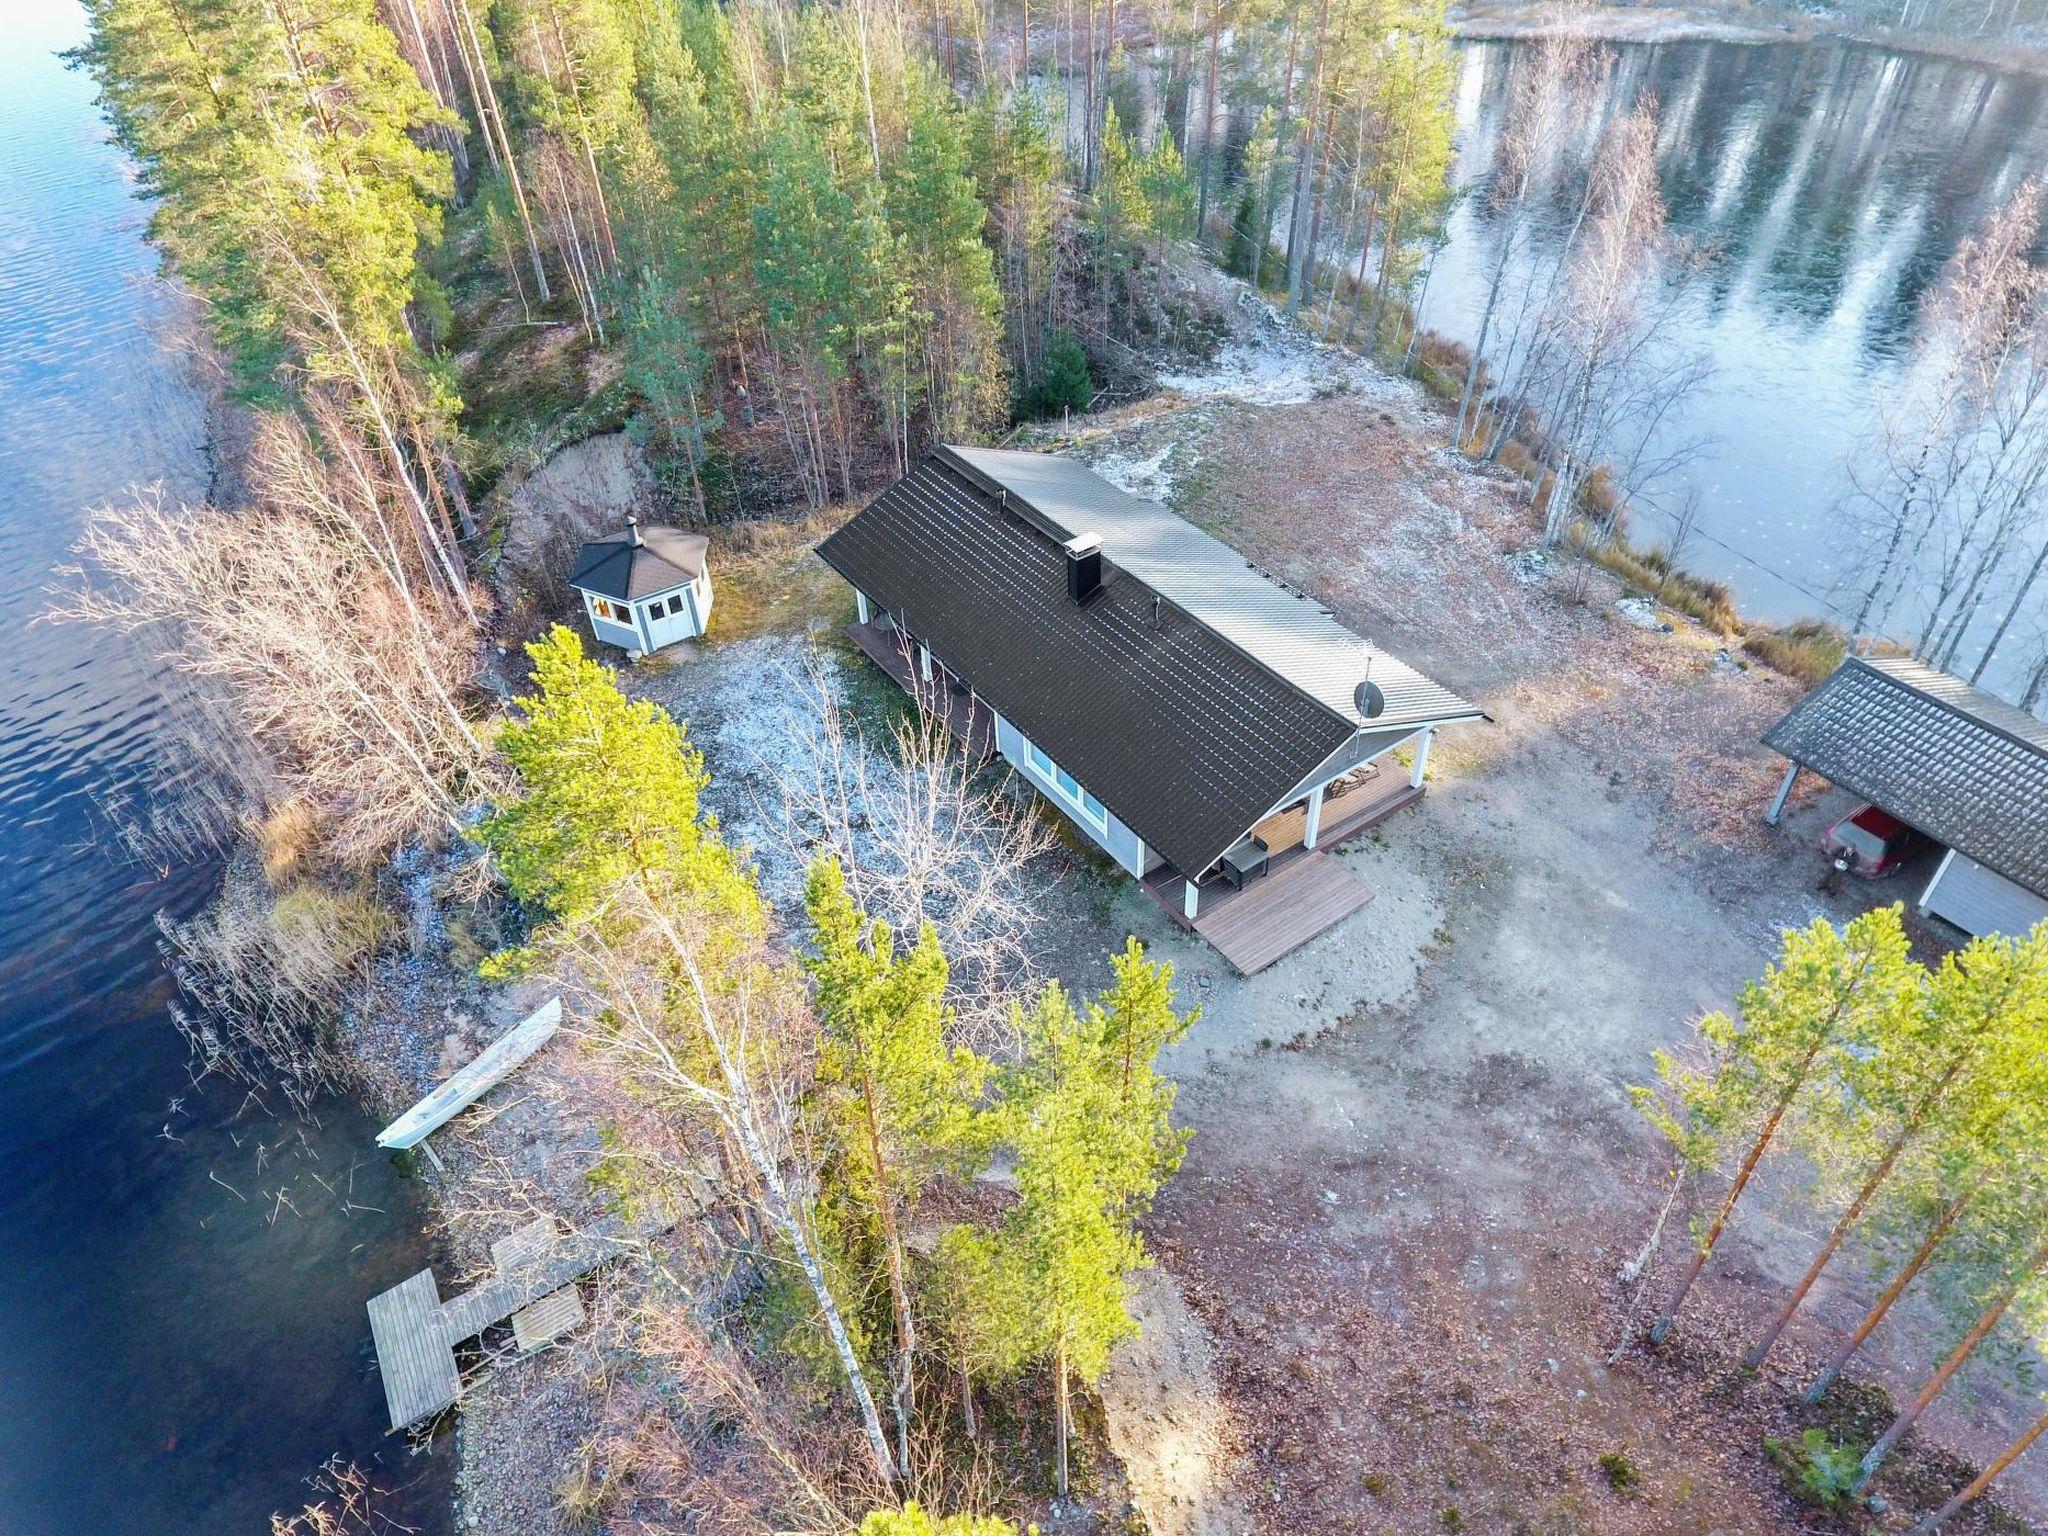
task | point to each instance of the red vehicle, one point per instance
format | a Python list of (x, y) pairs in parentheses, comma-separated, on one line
[(1870, 843)]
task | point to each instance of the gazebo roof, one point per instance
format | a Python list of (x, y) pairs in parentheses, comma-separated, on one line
[(638, 562)]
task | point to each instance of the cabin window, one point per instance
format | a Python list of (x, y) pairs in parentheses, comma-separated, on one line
[(675, 604), (1067, 787)]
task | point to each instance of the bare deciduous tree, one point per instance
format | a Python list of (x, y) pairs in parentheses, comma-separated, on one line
[(1552, 95), (1950, 486), (1606, 383), (310, 612), (918, 835)]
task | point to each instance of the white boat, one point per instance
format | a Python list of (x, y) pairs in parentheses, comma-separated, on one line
[(491, 1066)]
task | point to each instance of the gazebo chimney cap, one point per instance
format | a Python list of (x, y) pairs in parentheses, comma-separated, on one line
[(633, 531)]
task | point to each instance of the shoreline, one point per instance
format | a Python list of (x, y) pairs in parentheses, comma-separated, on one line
[(1649, 26)]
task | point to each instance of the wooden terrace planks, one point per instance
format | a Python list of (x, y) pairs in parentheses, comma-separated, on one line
[(1298, 900), (965, 716), (416, 1332)]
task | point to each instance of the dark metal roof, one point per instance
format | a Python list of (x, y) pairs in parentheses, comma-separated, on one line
[(1284, 630), (1967, 769), (665, 558), (1184, 733)]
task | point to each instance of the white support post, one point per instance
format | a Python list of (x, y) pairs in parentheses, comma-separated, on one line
[(924, 661), (860, 604), (1421, 766), (1948, 857), (1784, 793), (1314, 828), (1189, 896)]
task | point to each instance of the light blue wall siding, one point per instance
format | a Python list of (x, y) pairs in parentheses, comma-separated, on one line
[(1119, 841), (1980, 900), (616, 634)]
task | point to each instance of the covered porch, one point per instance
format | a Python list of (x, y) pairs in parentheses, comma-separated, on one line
[(925, 678), (1303, 891)]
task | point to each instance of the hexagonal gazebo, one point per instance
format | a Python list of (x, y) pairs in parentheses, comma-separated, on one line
[(645, 588)]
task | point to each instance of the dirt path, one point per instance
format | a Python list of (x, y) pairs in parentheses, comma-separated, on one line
[(1167, 1421)]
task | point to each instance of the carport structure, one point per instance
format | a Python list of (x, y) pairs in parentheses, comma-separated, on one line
[(1968, 770)]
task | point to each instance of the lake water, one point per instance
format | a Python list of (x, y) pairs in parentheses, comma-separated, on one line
[(180, 1355), (1830, 182)]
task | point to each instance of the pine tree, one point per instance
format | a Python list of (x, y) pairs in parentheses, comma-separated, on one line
[(1119, 209), (611, 795), (278, 139), (1252, 228), (1132, 1022), (1169, 199), (906, 1099), (949, 271), (1967, 1034), (1087, 1118), (1831, 995)]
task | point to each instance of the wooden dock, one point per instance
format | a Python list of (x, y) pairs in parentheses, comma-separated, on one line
[(416, 1331)]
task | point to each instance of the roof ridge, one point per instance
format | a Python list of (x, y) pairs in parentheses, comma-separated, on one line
[(1871, 664), (954, 457)]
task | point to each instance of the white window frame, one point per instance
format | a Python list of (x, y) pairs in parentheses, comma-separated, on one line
[(1078, 800)]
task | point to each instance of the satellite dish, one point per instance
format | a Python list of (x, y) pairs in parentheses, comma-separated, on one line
[(1370, 701)]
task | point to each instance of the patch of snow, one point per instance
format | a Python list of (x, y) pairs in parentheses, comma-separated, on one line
[(1149, 478), (1528, 566), (1280, 363), (1641, 612)]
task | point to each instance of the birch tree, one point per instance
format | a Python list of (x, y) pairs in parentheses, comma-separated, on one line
[(659, 930), (314, 614), (1551, 96)]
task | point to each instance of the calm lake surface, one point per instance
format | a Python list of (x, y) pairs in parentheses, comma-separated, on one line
[(180, 1355), (1829, 182)]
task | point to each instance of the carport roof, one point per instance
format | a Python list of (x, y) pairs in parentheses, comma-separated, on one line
[(1965, 768)]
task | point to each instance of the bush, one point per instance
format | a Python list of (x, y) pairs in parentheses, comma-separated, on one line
[(1623, 1476), (287, 840), (1808, 650), (1818, 1469), (322, 932), (1711, 602), (1063, 383)]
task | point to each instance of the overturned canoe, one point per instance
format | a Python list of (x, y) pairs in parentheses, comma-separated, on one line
[(473, 1081)]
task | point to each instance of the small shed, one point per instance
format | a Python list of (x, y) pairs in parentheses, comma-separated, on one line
[(644, 588), (1968, 770)]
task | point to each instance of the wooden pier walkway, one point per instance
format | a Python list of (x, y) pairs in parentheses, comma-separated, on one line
[(416, 1331)]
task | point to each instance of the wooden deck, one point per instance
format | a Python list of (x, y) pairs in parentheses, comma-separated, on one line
[(416, 1332), (1305, 891), (965, 715)]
